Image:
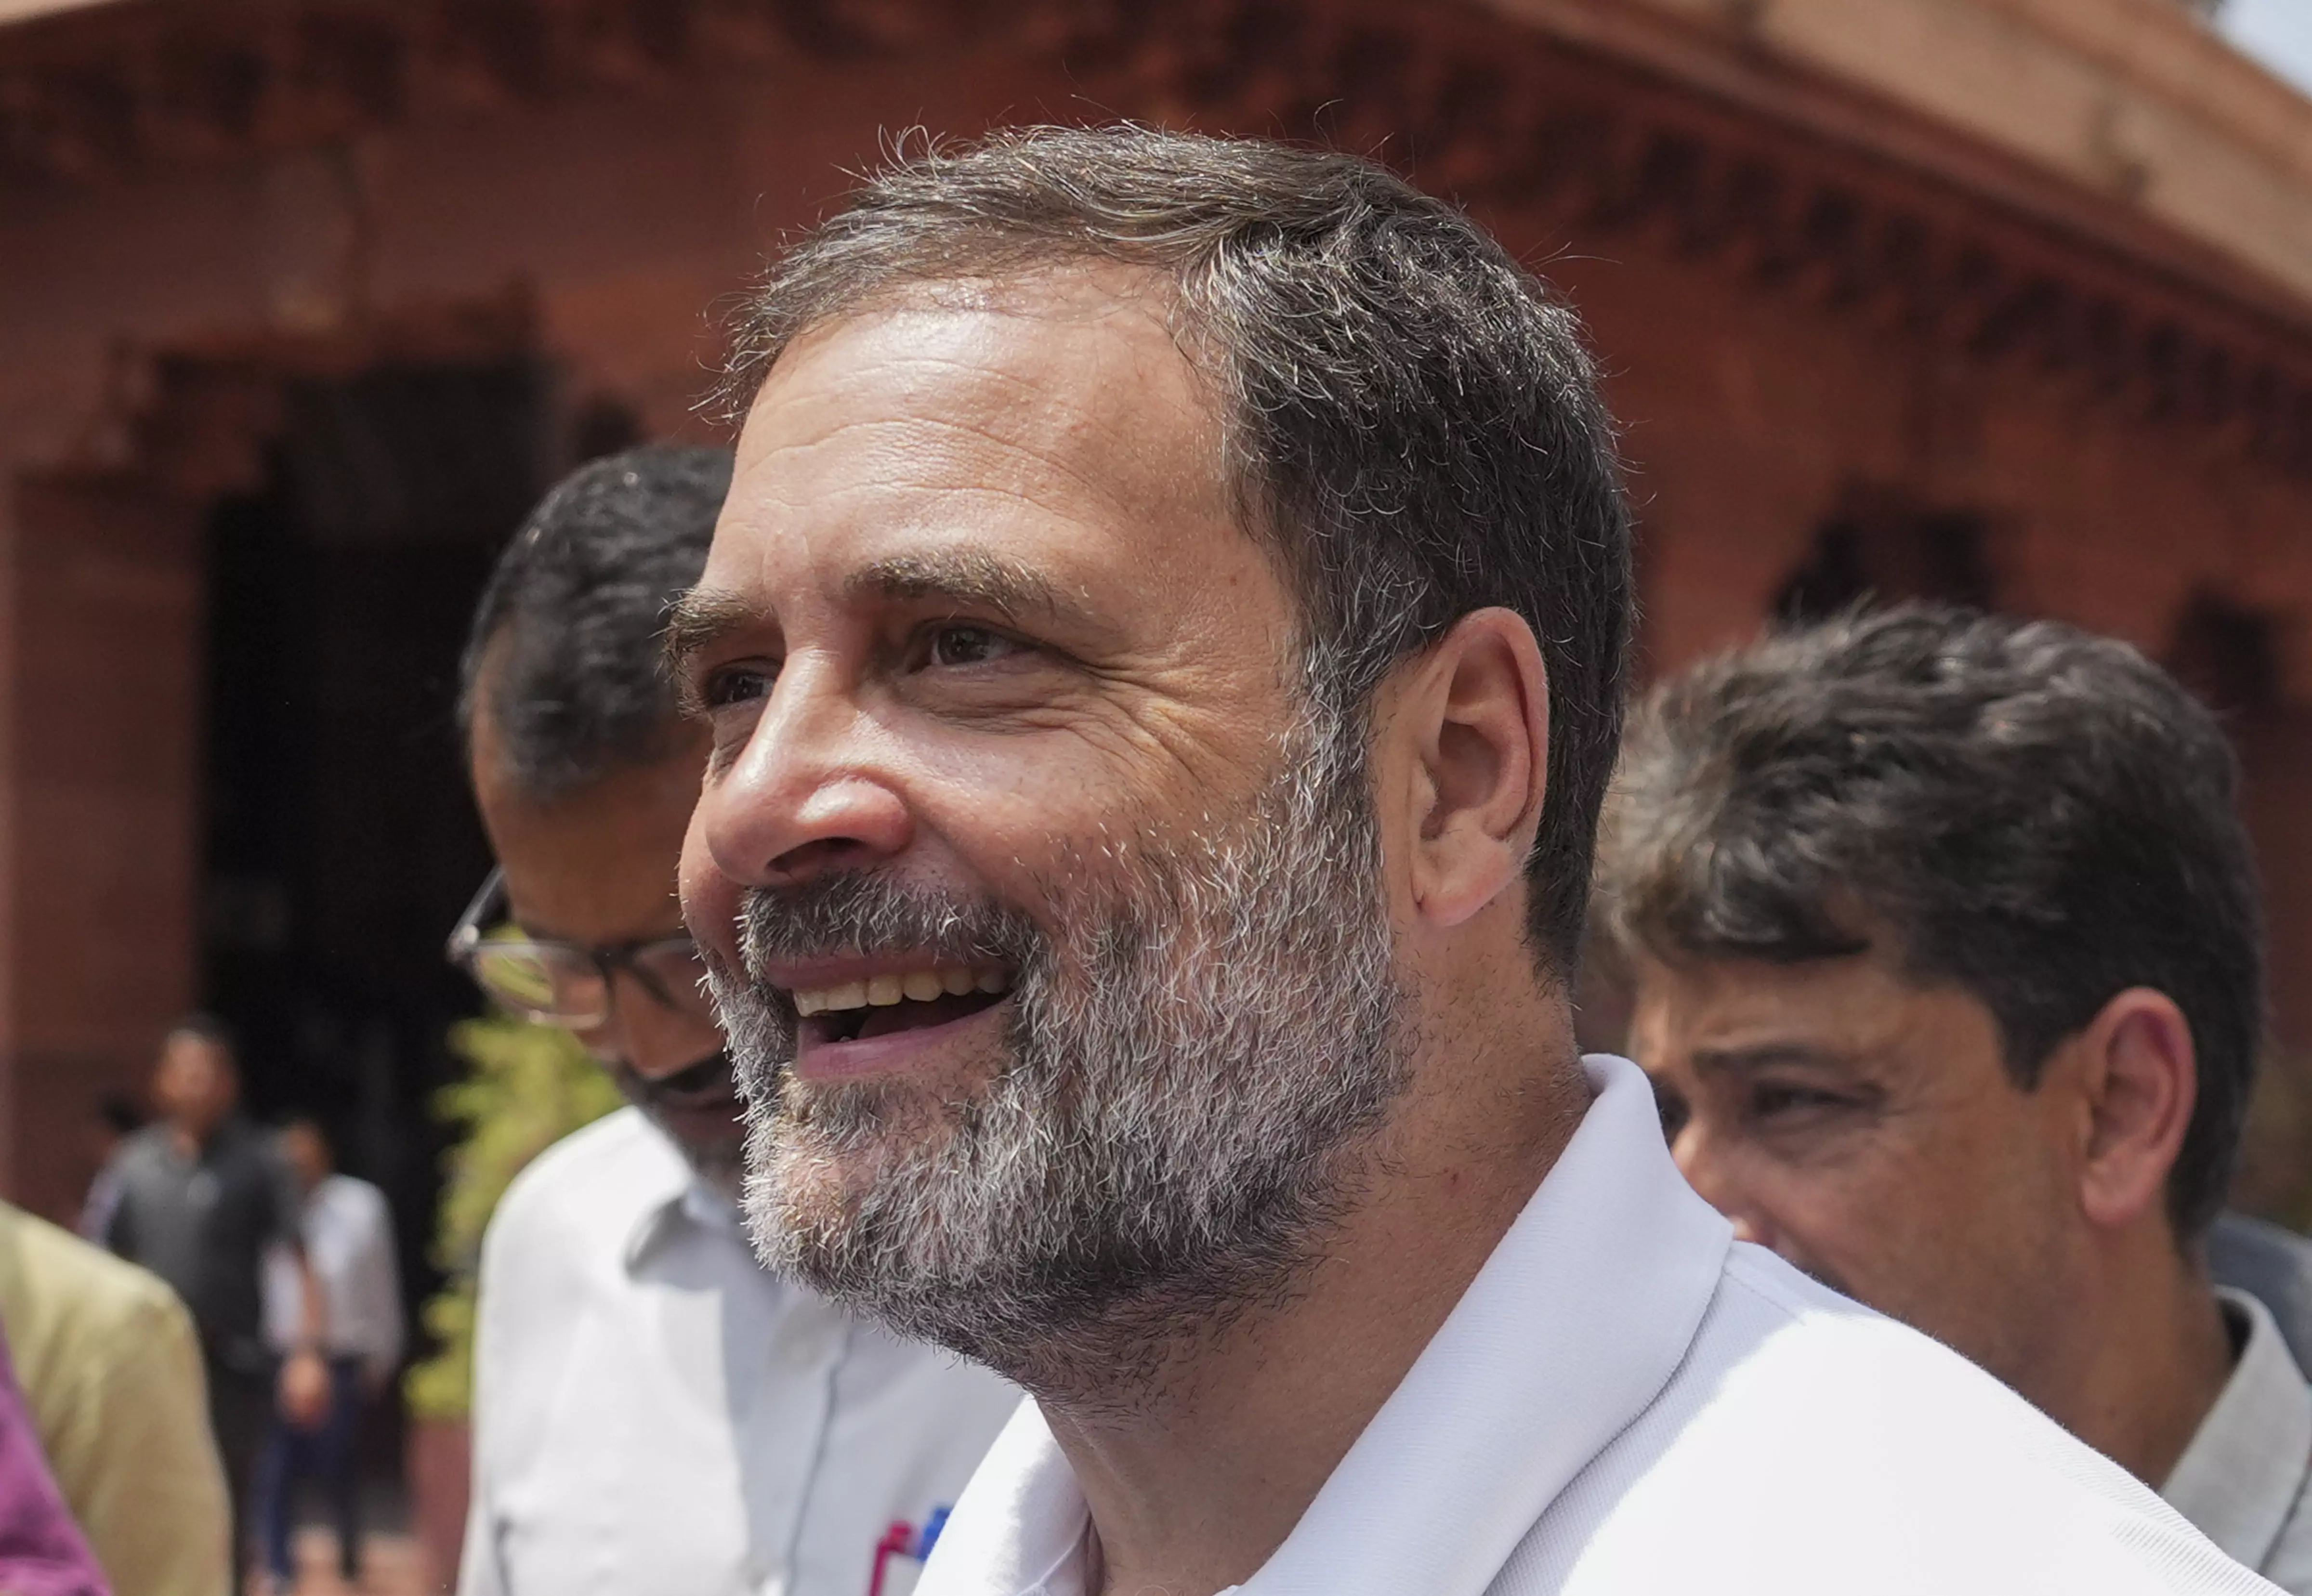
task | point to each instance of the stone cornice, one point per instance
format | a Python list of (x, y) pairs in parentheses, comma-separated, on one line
[(2139, 100), (1799, 184)]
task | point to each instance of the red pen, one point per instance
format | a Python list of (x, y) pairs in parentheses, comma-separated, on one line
[(898, 1541)]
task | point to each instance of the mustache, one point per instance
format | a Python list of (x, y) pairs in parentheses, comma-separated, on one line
[(854, 912), (863, 912)]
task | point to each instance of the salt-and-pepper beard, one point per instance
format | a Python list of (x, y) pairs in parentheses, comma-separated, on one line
[(1193, 1057)]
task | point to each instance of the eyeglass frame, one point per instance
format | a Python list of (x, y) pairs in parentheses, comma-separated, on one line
[(467, 940)]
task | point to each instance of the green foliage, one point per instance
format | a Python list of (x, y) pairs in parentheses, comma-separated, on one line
[(530, 1085)]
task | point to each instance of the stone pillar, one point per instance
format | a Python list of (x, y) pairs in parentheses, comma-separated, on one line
[(99, 811)]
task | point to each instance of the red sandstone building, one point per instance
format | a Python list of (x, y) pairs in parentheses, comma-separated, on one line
[(301, 302)]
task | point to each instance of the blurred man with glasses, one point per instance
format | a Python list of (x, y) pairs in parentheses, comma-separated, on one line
[(653, 1413)]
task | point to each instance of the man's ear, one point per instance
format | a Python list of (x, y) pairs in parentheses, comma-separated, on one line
[(1471, 726), (2140, 1077)]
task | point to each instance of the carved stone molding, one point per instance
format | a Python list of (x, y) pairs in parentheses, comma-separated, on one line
[(195, 421), (2078, 289), (1503, 118)]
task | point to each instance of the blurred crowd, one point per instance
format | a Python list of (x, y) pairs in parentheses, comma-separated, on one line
[(185, 1405), (1937, 932)]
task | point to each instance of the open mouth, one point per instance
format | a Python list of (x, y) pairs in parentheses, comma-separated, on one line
[(888, 1004)]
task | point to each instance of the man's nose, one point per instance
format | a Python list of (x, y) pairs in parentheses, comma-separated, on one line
[(812, 792), (1712, 1170)]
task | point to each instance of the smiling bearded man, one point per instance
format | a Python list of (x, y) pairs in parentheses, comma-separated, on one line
[(1161, 661), (1213, 1017)]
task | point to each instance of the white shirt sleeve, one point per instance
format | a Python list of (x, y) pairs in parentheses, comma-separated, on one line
[(480, 1572)]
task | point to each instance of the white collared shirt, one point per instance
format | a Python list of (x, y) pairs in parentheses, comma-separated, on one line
[(1625, 1402), (349, 1235), (2245, 1479), (655, 1416)]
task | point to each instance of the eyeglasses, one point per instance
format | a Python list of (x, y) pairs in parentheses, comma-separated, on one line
[(561, 983)]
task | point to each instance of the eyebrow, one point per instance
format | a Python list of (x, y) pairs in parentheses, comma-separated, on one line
[(1765, 1056), (966, 578), (700, 619)]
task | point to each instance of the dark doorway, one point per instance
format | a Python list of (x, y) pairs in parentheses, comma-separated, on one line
[(1882, 545), (340, 842)]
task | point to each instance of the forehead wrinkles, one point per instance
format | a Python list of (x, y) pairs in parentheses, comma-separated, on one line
[(1071, 376)]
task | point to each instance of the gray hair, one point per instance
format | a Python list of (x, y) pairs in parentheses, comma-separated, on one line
[(1413, 425), (575, 609)]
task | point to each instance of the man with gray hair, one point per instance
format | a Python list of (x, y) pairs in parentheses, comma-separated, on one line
[(654, 1415), (1161, 659)]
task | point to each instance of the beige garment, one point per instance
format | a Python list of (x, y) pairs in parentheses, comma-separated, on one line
[(110, 1365)]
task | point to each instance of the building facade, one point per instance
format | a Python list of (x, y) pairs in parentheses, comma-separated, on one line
[(2003, 301)]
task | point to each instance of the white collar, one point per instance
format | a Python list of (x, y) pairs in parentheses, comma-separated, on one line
[(1570, 1330), (673, 1196), (2239, 1478)]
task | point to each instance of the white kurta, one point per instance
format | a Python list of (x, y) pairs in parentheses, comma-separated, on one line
[(1625, 1402), (654, 1415)]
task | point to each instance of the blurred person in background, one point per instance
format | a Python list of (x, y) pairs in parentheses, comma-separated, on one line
[(203, 1194), (42, 1552), (110, 1368), (349, 1235), (654, 1414), (114, 1121), (1948, 968)]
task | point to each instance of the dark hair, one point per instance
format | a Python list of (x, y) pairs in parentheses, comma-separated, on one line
[(212, 1029), (575, 689), (2040, 816), (311, 1123), (1413, 426)]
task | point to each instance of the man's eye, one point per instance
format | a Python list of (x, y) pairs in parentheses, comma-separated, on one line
[(1770, 1100), (734, 684), (966, 645), (1673, 1111)]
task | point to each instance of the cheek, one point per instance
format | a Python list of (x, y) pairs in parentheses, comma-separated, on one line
[(1023, 824), (972, 789), (1085, 775), (1920, 1233), (601, 1043), (1855, 1223)]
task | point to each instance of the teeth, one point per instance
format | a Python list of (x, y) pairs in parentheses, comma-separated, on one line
[(881, 992)]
